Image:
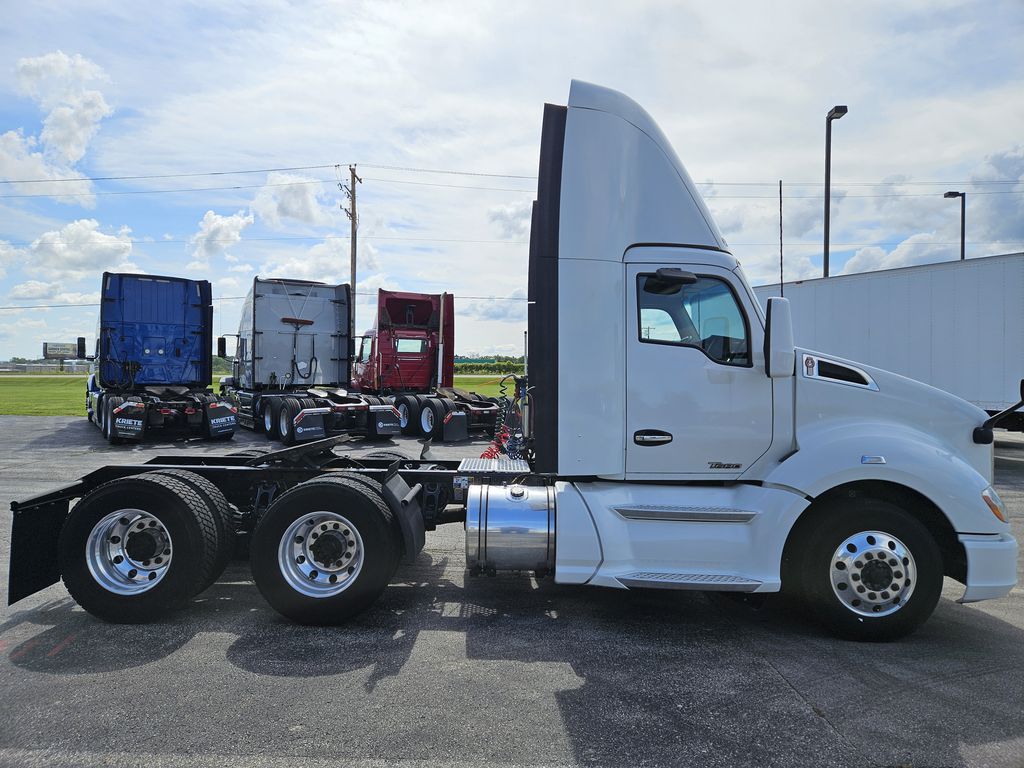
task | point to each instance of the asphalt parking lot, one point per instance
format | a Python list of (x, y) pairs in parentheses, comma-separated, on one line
[(448, 670)]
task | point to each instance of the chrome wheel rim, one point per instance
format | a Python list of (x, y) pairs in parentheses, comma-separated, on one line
[(321, 554), (284, 423), (873, 573), (268, 419), (427, 418), (128, 552), (403, 415)]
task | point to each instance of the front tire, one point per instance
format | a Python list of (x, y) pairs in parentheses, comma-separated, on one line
[(869, 570), (324, 551)]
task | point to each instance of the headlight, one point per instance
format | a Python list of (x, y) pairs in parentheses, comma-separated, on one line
[(991, 498)]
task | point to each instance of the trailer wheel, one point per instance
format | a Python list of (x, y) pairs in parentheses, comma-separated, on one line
[(869, 570), (271, 415), (408, 413), (286, 414), (108, 432), (137, 548), (325, 550), (218, 504)]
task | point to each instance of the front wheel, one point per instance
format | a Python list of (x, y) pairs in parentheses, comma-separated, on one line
[(325, 550), (869, 570)]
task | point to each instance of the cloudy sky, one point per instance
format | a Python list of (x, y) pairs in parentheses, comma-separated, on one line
[(239, 116)]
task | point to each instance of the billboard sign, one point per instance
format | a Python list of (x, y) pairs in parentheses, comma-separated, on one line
[(59, 351)]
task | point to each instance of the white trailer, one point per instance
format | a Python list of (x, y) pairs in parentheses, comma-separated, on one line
[(956, 325), (674, 438)]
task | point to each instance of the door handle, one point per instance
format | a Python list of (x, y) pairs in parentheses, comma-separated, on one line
[(652, 437)]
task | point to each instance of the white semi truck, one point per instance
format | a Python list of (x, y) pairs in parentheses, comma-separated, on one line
[(957, 325), (675, 438)]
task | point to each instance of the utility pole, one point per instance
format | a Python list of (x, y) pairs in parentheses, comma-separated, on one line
[(353, 217)]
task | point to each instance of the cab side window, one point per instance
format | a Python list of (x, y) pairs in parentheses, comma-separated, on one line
[(705, 315)]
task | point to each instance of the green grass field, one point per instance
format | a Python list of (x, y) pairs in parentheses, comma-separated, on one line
[(60, 395)]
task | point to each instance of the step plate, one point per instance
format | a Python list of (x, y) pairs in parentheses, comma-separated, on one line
[(501, 466), (712, 582)]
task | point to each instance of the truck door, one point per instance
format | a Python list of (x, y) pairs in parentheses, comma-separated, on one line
[(698, 402)]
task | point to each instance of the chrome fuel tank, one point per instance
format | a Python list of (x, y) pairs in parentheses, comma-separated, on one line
[(510, 528)]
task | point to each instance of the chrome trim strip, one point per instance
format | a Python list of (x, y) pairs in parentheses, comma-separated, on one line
[(685, 514), (711, 582)]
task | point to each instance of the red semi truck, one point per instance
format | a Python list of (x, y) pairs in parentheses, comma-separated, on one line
[(409, 355)]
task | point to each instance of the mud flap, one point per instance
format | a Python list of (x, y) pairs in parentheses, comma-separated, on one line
[(456, 427), (310, 426), (130, 423), (383, 421), (404, 503), (220, 419), (34, 532)]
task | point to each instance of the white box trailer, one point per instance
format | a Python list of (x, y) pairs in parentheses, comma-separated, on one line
[(957, 325)]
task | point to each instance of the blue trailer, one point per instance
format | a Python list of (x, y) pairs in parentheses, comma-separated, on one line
[(154, 360)]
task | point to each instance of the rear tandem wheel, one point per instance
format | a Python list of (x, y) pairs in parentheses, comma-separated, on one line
[(134, 549)]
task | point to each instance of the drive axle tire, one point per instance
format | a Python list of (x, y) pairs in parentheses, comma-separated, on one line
[(408, 413), (286, 414), (137, 548), (108, 432), (271, 414), (392, 455), (325, 550), (869, 570), (218, 504)]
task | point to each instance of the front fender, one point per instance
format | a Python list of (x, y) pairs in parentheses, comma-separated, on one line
[(834, 455)]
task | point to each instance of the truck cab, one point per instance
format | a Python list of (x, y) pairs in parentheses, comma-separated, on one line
[(411, 348)]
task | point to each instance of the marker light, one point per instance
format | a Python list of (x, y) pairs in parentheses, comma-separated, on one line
[(990, 497)]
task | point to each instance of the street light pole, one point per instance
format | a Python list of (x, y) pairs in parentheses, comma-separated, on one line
[(963, 217), (834, 114)]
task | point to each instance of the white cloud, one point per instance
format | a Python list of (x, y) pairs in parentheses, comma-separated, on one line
[(35, 290), (327, 262), (216, 234), (58, 84), (507, 309), (8, 255), (78, 249), (922, 248), (512, 219), (291, 197)]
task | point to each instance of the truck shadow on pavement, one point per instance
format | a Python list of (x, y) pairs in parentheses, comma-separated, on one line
[(670, 676)]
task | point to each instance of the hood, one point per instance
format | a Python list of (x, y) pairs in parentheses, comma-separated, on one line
[(833, 388)]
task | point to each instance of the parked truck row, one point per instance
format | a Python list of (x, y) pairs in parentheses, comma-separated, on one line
[(295, 373), (693, 446)]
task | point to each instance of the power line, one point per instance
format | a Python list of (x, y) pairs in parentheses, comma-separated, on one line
[(446, 171), (296, 238), (167, 175), (240, 298), (167, 191), (451, 186)]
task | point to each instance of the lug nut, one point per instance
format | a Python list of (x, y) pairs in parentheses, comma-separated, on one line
[(167, 551), (336, 526)]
